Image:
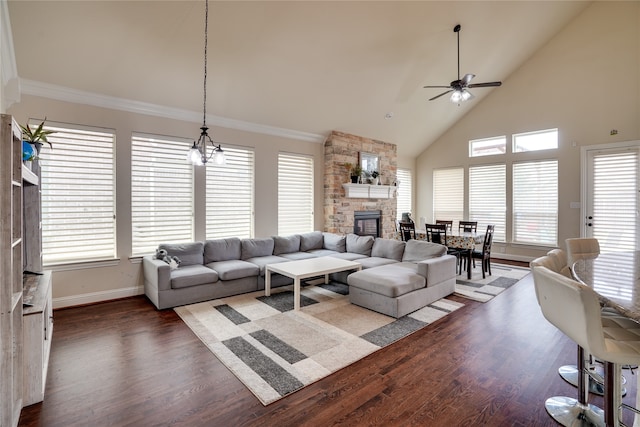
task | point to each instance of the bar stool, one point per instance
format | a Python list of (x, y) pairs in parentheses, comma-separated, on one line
[(575, 310)]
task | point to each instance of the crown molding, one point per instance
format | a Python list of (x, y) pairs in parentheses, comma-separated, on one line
[(61, 93)]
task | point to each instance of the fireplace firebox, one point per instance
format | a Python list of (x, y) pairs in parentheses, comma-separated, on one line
[(367, 223)]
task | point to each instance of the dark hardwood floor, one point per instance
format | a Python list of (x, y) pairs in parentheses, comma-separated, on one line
[(123, 363)]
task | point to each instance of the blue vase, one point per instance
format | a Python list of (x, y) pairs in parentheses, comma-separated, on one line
[(27, 151)]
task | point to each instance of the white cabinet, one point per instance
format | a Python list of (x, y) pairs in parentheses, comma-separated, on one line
[(37, 327), (11, 247)]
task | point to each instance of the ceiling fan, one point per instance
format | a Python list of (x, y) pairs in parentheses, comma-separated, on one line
[(458, 88)]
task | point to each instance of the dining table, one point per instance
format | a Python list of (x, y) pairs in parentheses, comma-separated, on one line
[(463, 240), (615, 277)]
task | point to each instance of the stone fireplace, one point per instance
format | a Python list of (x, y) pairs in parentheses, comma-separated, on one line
[(340, 210)]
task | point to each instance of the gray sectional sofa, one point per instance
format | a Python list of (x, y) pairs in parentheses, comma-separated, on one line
[(397, 277)]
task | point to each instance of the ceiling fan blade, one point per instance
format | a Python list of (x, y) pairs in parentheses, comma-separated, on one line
[(467, 78), (437, 87), (438, 96), (489, 84)]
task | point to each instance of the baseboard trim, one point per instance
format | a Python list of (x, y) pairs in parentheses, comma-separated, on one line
[(94, 297), (510, 257)]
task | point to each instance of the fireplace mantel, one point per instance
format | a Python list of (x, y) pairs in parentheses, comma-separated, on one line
[(367, 191)]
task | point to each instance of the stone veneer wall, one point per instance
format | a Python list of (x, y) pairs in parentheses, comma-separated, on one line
[(341, 148)]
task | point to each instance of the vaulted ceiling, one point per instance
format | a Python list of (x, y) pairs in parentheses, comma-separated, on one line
[(308, 66)]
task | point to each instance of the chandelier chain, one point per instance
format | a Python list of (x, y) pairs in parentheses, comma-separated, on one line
[(206, 27)]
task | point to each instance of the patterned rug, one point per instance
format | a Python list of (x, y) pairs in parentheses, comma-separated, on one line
[(275, 351), (502, 277)]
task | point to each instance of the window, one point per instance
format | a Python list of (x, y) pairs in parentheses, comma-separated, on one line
[(230, 195), (487, 146), (403, 201), (78, 195), (535, 141), (161, 193), (448, 194), (488, 199), (295, 194), (535, 202)]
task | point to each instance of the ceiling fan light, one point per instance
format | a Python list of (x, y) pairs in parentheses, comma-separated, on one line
[(466, 95), (456, 96)]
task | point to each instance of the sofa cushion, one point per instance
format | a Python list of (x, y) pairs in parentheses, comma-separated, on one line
[(221, 249), (234, 269), (192, 275), (348, 256), (310, 241), (252, 248), (417, 250), (261, 261), (334, 242), (188, 253), (286, 245), (293, 256), (322, 252), (387, 280), (373, 261), (388, 248), (359, 244)]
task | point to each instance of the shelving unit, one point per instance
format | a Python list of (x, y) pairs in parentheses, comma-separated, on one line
[(367, 191), (11, 248)]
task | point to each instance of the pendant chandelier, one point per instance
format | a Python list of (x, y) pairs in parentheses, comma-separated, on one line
[(198, 153)]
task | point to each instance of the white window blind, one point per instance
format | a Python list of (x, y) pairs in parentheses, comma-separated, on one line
[(295, 194), (161, 193), (448, 194), (78, 195), (230, 195), (535, 202), (403, 200), (488, 199), (615, 192)]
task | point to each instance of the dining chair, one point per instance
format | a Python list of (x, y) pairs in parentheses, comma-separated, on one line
[(449, 224), (485, 254), (468, 226), (437, 233), (407, 231)]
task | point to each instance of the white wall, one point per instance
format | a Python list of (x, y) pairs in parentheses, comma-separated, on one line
[(585, 82), (124, 277)]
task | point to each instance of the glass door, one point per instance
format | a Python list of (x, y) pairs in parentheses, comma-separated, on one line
[(611, 208)]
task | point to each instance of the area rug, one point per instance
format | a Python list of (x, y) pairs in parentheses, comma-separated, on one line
[(502, 277), (276, 351)]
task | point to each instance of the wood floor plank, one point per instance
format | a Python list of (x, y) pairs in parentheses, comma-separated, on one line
[(123, 363)]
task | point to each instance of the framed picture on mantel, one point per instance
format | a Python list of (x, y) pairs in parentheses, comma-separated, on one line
[(369, 162)]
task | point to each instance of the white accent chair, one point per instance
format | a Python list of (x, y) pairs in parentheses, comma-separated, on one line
[(581, 248)]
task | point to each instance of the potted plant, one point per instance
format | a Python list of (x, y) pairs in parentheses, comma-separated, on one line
[(36, 136), (355, 171)]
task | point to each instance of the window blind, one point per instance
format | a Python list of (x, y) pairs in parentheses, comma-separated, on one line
[(488, 199), (448, 194), (230, 195), (615, 192), (535, 202), (404, 193), (295, 194), (161, 193), (78, 195)]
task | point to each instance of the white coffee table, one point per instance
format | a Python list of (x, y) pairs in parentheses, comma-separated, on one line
[(305, 268)]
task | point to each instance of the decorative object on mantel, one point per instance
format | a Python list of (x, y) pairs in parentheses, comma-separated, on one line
[(369, 163), (198, 153), (367, 191), (35, 137), (355, 172), (375, 178)]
